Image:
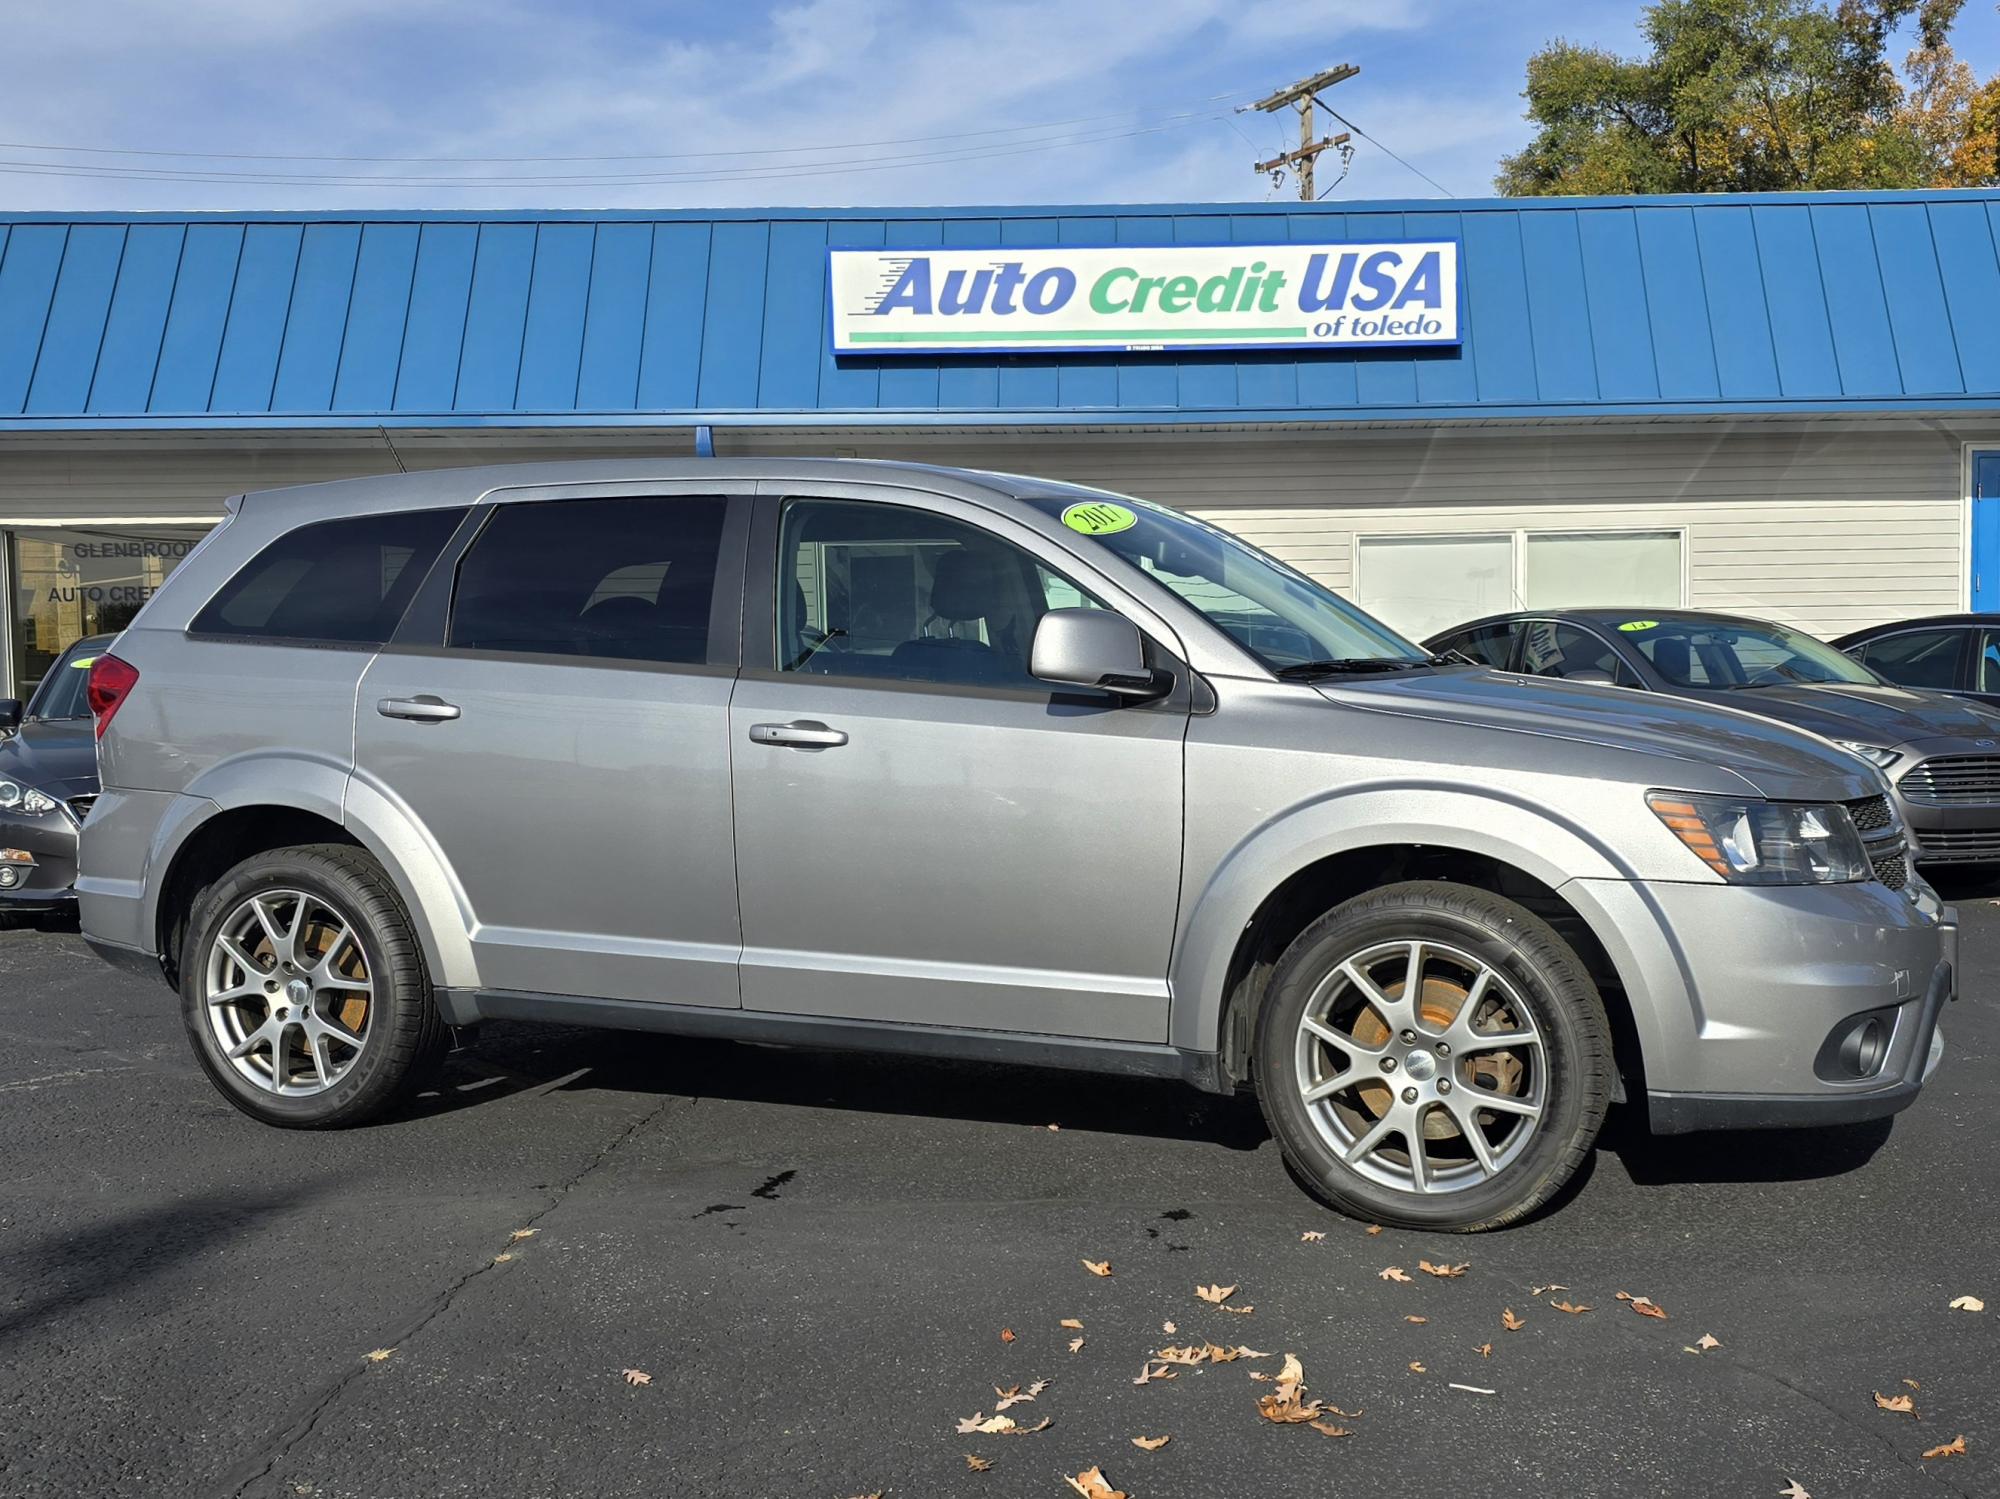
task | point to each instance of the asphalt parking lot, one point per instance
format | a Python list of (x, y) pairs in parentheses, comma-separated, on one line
[(825, 1265)]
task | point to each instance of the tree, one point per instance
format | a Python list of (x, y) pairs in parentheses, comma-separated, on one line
[(1759, 95)]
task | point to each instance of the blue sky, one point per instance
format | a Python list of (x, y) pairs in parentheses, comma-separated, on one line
[(761, 101)]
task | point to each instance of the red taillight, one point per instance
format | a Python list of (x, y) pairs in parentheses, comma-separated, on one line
[(111, 682)]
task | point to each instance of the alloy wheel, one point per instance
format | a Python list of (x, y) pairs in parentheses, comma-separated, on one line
[(290, 997)]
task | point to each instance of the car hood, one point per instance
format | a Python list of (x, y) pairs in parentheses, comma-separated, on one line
[(58, 756), (1772, 758), (1888, 716)]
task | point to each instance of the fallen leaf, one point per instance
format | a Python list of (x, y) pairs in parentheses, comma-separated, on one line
[(1311, 1236), (1968, 1304), (1707, 1341), (522, 1233), (1417, 1368), (1098, 1267), (1150, 1444), (1188, 1355), (1231, 1355), (1091, 1484), (378, 1355), (977, 1464), (1151, 1371), (1954, 1448), (1511, 1322), (1071, 1322), (1484, 1350), (1006, 1334), (1241, 1311), (1793, 1489), (981, 1424), (1444, 1272), (1168, 1328), (637, 1376), (1913, 1384), (1215, 1295), (1395, 1273), (1076, 1345), (1014, 1394), (1645, 1306), (1538, 1290), (1570, 1307), (1283, 1405), (501, 1259), (1328, 1429), (1418, 1320), (1902, 1405), (1374, 1228), (1053, 1128)]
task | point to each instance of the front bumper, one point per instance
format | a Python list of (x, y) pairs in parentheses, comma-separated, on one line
[(48, 883), (1789, 1005)]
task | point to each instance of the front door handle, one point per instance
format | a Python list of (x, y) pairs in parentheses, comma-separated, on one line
[(424, 708), (804, 734)]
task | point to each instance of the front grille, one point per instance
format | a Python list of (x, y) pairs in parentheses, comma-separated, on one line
[(1953, 780), (1882, 836), (1977, 845), (80, 806), (1892, 870), (1871, 815)]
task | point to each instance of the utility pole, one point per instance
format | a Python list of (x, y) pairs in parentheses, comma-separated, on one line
[(1303, 96)]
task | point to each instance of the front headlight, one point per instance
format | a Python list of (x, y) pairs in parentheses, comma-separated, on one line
[(1874, 754), (14, 797), (1752, 842)]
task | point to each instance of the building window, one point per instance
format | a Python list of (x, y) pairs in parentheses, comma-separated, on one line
[(1422, 584), (87, 581)]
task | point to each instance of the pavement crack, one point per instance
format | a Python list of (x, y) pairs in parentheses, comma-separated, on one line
[(1866, 1428), (237, 1483)]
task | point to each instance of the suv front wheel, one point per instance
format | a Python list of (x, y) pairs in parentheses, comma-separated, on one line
[(1433, 1056), (304, 991)]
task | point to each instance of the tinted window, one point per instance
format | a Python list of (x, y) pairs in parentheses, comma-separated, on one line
[(1554, 650), (881, 591), (1917, 658), (618, 579), (339, 580), (1492, 645), (1989, 661), (62, 693)]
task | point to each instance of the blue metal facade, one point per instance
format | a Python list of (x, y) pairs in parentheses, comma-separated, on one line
[(1834, 302)]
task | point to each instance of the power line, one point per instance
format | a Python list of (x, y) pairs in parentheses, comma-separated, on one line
[(1387, 152)]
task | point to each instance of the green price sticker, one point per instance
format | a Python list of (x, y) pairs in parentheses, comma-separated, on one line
[(1632, 626), (82, 662), (1098, 519)]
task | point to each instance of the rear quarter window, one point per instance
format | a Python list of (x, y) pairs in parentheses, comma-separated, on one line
[(343, 581)]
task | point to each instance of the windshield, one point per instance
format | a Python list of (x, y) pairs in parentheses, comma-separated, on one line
[(1279, 615), (62, 693), (1736, 654)]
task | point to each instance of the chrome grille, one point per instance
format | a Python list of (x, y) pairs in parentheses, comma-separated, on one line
[(79, 806), (1953, 780)]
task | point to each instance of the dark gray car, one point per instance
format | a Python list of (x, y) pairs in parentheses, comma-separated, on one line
[(48, 779), (1940, 753)]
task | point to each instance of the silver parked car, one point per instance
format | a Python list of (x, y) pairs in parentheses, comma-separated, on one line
[(880, 756)]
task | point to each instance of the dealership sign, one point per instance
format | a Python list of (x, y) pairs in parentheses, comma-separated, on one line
[(1377, 294)]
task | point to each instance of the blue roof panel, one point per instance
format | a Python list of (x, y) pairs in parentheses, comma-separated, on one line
[(1570, 306)]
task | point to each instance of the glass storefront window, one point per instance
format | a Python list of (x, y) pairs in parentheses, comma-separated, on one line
[(89, 581)]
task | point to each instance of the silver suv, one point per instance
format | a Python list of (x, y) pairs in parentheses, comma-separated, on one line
[(858, 755)]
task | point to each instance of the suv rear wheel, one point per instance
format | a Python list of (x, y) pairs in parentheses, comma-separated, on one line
[(1433, 1056), (303, 989)]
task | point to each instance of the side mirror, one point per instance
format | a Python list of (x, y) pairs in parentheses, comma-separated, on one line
[(1094, 648), (10, 714)]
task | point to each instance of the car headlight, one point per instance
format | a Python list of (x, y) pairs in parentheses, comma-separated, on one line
[(1874, 754), (1753, 842), (14, 797)]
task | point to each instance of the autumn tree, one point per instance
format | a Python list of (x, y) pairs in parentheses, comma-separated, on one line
[(1760, 95)]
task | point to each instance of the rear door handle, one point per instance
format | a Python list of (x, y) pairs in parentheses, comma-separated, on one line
[(805, 734), (423, 708)]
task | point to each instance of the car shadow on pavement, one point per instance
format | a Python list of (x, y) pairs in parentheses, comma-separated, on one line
[(1767, 1155)]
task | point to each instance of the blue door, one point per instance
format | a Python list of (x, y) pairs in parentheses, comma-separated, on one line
[(1986, 532)]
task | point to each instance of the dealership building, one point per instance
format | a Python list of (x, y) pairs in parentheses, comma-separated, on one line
[(1785, 405)]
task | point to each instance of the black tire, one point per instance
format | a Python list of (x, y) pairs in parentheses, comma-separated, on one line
[(1545, 977), (406, 1035)]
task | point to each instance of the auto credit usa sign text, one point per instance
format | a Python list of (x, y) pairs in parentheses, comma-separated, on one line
[(1379, 294)]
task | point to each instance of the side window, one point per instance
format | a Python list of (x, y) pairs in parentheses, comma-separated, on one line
[(346, 581), (1492, 645), (1989, 661), (1918, 658), (881, 591), (623, 579), (1556, 650)]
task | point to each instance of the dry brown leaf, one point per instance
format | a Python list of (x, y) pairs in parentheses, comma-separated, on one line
[(981, 1424), (1645, 1306), (1071, 1322), (1054, 1128), (1417, 1368), (1538, 1290), (1311, 1236), (1215, 1295), (1076, 1345), (637, 1376), (1396, 1273), (977, 1464), (1328, 1429), (1168, 1328), (1902, 1405), (1967, 1304), (1006, 1334), (1418, 1320), (1098, 1267), (1218, 1355), (1373, 1229), (1707, 1341), (1014, 1394), (522, 1233), (1151, 1371), (1484, 1350), (1954, 1448), (1444, 1272), (1092, 1484), (378, 1355), (1571, 1307), (1913, 1384), (1187, 1355), (1283, 1404), (1241, 1311), (501, 1259), (1511, 1322), (1793, 1489), (1150, 1444)]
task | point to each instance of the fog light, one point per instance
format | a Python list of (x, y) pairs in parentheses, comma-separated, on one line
[(10, 876)]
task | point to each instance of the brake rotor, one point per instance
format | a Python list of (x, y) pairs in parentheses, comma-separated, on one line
[(1438, 1007)]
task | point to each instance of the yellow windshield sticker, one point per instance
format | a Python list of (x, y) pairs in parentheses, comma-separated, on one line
[(1635, 625), (1098, 519), (81, 662)]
